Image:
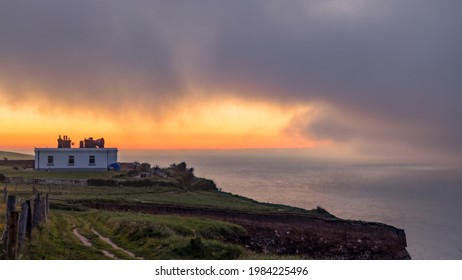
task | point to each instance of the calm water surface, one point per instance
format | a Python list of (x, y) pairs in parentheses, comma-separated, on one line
[(425, 201)]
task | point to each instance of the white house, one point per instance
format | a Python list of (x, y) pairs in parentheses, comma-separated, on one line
[(84, 158)]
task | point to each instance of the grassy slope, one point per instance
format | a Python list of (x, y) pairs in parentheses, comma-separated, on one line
[(148, 236), (146, 195), (14, 156), (64, 175)]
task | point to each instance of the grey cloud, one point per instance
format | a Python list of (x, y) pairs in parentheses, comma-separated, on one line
[(83, 51), (400, 72)]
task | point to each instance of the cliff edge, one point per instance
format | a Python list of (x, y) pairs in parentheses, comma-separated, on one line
[(305, 235)]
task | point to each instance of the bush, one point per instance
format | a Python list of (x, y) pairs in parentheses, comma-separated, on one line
[(145, 167), (208, 250), (138, 230), (102, 182), (129, 183), (2, 178), (204, 185), (323, 212), (133, 173)]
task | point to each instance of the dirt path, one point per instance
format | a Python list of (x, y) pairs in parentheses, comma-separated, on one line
[(109, 241), (82, 238), (87, 243), (107, 254)]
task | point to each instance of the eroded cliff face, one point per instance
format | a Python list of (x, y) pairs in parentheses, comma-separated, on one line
[(324, 239), (305, 235)]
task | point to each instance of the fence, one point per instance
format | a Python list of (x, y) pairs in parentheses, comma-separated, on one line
[(19, 224)]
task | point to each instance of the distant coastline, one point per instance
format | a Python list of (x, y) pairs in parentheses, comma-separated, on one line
[(12, 155)]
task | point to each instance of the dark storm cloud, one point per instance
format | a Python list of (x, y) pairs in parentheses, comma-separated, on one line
[(395, 66), (83, 51)]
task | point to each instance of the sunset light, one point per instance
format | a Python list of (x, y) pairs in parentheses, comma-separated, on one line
[(215, 124)]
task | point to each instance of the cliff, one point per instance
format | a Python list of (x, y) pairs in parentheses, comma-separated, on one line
[(305, 235)]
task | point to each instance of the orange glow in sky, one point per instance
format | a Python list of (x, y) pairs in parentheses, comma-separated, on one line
[(214, 124)]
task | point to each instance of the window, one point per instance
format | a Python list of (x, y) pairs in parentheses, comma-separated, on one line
[(50, 160), (71, 160), (91, 160)]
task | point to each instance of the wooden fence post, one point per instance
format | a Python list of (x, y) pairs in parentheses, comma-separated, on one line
[(29, 220), (47, 206), (37, 210), (34, 189), (12, 245), (5, 193), (10, 206), (43, 212), (23, 224)]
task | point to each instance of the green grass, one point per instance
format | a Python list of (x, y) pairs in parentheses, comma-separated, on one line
[(63, 175), (70, 196), (167, 236), (148, 236), (217, 200), (55, 241)]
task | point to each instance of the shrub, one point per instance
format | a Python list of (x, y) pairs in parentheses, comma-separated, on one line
[(2, 178), (323, 212), (145, 167), (129, 183), (102, 182), (137, 230), (133, 173), (208, 250), (204, 185)]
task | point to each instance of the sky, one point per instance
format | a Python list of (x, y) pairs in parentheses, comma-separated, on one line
[(366, 78)]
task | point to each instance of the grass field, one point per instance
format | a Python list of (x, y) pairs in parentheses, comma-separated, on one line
[(148, 195), (146, 236), (64, 175)]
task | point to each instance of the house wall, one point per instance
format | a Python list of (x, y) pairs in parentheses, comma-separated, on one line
[(103, 158)]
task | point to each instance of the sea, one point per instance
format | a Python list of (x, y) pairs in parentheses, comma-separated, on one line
[(423, 199)]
